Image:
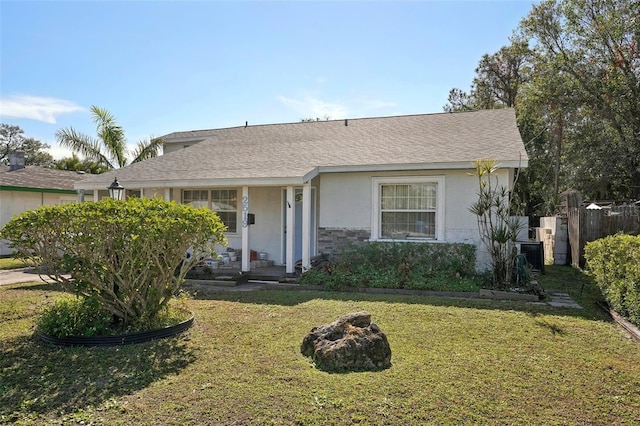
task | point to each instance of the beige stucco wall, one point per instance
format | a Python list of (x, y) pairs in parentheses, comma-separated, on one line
[(16, 202)]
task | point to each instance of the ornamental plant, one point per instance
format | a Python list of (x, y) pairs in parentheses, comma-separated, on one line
[(129, 256), (498, 228)]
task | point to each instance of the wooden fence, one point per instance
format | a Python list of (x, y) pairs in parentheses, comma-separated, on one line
[(590, 225)]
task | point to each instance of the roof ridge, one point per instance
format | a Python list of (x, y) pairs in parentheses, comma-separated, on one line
[(337, 120)]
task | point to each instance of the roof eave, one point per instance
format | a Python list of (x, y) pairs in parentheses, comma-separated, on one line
[(35, 189), (199, 183), (291, 180), (462, 165)]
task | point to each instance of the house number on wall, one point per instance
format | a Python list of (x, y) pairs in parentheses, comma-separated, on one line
[(245, 211)]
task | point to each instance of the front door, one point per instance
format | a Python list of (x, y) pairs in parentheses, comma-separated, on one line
[(297, 252)]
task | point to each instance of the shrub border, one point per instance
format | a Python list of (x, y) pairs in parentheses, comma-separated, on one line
[(121, 339)]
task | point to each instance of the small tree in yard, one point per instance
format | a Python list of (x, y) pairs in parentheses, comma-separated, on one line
[(498, 228), (129, 256)]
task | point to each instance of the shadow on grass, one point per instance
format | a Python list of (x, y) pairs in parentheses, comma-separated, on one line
[(579, 286), (555, 329), (37, 285), (40, 379)]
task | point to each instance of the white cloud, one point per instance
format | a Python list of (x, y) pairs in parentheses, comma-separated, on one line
[(310, 107), (57, 152), (36, 107)]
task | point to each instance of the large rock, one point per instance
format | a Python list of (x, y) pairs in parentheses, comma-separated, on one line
[(350, 343)]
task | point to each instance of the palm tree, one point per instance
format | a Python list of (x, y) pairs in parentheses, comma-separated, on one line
[(110, 147), (75, 164)]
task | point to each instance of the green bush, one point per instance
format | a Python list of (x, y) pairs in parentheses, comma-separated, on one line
[(129, 256), (80, 316), (400, 265), (74, 316), (614, 262)]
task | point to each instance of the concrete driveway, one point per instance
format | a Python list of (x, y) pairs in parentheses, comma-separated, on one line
[(22, 275)]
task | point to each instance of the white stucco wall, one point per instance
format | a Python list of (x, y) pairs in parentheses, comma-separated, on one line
[(16, 202), (266, 233), (346, 202), (175, 146)]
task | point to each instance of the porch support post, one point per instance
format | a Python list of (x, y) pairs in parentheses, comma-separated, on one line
[(246, 252), (167, 194), (96, 196), (306, 226), (291, 229)]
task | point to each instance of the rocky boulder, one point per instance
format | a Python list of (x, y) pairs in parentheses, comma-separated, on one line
[(351, 343)]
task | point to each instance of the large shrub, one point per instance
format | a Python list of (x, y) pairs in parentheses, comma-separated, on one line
[(614, 262), (400, 265), (129, 256)]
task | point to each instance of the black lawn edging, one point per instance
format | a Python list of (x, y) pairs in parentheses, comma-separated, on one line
[(121, 339)]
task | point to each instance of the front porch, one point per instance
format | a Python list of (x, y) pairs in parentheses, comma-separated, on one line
[(232, 275)]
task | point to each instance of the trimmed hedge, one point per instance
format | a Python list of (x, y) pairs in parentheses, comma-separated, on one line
[(614, 262), (400, 265)]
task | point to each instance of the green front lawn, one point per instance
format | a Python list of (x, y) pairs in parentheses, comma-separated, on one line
[(11, 263), (455, 361)]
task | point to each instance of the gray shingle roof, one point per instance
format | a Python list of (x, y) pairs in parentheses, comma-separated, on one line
[(291, 151), (37, 177)]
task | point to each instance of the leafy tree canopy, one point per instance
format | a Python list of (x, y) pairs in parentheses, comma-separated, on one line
[(12, 139), (74, 163), (572, 71)]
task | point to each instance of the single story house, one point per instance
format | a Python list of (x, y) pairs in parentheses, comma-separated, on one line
[(296, 190), (28, 187)]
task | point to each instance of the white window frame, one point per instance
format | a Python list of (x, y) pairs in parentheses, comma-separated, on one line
[(376, 217), (237, 210), (210, 203)]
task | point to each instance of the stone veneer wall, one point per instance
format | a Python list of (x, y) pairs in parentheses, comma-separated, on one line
[(331, 240)]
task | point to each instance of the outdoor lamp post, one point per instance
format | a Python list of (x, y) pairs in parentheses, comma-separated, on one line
[(116, 191)]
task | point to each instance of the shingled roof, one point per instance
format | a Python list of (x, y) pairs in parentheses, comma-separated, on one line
[(292, 153), (38, 178)]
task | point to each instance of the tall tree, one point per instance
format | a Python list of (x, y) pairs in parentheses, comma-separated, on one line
[(498, 78), (109, 149), (577, 98), (499, 82), (593, 47), (12, 139)]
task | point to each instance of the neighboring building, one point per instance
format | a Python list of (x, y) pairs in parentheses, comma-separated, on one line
[(24, 188), (300, 189)]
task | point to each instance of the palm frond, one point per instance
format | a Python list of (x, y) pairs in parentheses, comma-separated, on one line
[(111, 134), (146, 149), (85, 145)]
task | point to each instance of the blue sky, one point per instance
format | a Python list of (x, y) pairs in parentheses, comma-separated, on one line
[(165, 66)]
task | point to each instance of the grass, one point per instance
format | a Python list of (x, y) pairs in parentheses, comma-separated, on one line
[(455, 361), (11, 263)]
